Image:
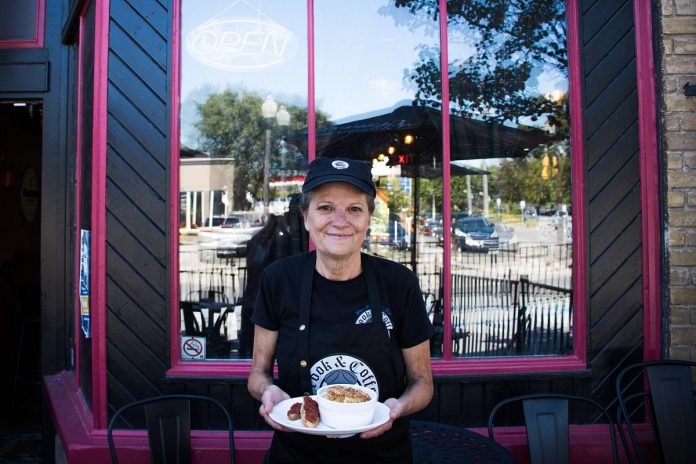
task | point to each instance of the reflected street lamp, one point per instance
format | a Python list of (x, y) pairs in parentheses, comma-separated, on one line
[(269, 110)]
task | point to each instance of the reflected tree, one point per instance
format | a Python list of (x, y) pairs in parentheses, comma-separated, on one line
[(512, 42), (523, 179), (231, 125), (498, 51)]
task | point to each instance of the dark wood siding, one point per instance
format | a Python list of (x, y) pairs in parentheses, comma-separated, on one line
[(136, 192), (137, 195), (610, 120)]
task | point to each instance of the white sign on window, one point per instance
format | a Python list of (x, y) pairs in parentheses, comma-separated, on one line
[(192, 348)]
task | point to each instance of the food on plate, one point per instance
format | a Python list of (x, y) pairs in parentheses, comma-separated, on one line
[(294, 411), (309, 412), (343, 394), (352, 405)]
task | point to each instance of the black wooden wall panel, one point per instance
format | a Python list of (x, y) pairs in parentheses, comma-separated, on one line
[(137, 192), (614, 256), (610, 114), (620, 185), (148, 35), (605, 232), (130, 51), (148, 167), (129, 183)]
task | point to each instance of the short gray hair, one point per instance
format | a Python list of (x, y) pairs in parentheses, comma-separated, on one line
[(306, 197)]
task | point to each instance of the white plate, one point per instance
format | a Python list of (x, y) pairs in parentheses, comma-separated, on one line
[(280, 415)]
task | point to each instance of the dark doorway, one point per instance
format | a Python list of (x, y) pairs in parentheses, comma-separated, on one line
[(20, 267)]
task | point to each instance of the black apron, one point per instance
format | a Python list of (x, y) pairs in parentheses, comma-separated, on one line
[(369, 343)]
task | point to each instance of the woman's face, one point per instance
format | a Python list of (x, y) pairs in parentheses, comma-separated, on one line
[(337, 219)]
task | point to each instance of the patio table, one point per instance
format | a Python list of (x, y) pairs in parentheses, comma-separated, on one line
[(441, 443)]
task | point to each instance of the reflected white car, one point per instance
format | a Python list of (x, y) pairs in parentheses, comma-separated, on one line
[(227, 242)]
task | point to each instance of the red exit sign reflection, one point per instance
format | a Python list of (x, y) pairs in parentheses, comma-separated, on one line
[(404, 159)]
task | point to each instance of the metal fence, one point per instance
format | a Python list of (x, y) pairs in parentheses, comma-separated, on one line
[(515, 302), (203, 275), (505, 317)]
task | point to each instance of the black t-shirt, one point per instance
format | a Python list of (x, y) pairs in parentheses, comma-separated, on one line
[(340, 311), (277, 303)]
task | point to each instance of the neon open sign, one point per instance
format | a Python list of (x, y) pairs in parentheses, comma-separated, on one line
[(241, 44)]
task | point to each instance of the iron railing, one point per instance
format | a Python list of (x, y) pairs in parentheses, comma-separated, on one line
[(513, 302)]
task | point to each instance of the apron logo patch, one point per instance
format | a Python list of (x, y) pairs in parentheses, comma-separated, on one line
[(342, 368), (365, 317)]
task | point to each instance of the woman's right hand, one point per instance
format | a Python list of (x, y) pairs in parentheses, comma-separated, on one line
[(271, 396)]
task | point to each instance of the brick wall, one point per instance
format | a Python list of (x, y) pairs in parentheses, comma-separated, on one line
[(678, 22)]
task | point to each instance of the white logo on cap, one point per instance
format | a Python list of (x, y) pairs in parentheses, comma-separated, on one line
[(340, 164)]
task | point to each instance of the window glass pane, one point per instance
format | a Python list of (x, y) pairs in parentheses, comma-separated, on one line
[(367, 108), (18, 19), (511, 184), (237, 172)]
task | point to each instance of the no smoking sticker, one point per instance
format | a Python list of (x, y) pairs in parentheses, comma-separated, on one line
[(192, 348)]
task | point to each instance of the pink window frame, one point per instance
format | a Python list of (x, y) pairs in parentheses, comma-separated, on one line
[(38, 40), (447, 365), (98, 213), (649, 180)]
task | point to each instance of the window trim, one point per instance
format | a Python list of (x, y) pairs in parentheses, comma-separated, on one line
[(78, 190), (98, 213), (447, 365), (649, 180), (39, 37)]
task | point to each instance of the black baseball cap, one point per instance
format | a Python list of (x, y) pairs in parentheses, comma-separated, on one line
[(325, 170)]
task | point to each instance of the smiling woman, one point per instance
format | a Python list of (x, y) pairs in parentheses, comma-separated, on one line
[(349, 306)]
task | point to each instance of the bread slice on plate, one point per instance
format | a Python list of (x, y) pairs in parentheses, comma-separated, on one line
[(309, 412), (294, 411)]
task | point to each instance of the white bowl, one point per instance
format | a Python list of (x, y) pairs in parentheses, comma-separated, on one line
[(344, 415)]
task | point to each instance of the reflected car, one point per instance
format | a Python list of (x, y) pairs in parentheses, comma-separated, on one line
[(433, 229), (231, 239), (530, 212), (475, 234), (235, 222)]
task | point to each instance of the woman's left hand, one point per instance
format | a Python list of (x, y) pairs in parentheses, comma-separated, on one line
[(395, 408), (418, 393)]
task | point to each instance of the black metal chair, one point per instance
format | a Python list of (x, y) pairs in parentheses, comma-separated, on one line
[(546, 420), (664, 391), (192, 316), (433, 305), (168, 422)]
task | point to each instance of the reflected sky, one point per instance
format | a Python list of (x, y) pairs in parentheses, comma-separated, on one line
[(363, 50)]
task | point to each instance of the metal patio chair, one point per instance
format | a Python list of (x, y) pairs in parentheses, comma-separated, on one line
[(547, 425), (168, 423), (664, 392)]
